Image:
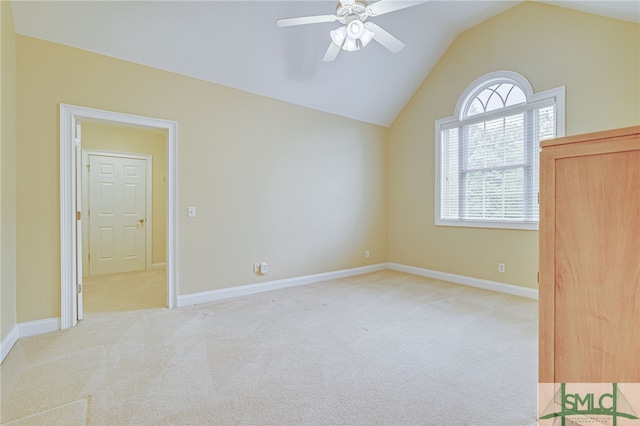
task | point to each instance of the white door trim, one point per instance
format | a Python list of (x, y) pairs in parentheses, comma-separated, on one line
[(69, 115), (148, 198)]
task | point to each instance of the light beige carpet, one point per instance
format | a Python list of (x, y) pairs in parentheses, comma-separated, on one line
[(383, 348), (126, 291)]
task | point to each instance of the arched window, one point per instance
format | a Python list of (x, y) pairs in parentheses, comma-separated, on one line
[(487, 154), (493, 96)]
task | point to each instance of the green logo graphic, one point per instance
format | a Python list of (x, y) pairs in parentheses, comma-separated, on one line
[(612, 404)]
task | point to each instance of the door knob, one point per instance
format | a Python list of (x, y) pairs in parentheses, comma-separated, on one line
[(141, 220)]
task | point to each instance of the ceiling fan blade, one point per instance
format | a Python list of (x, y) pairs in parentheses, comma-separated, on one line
[(385, 6), (319, 19), (384, 38), (332, 52)]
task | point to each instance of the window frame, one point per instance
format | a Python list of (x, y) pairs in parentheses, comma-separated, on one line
[(553, 97)]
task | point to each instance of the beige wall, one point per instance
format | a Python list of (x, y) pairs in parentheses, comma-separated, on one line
[(596, 58), (303, 190), (136, 141), (7, 172)]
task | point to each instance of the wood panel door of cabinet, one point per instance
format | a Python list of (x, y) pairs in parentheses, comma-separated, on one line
[(590, 259)]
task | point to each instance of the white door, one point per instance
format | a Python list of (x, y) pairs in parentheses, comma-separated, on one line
[(79, 222), (117, 217)]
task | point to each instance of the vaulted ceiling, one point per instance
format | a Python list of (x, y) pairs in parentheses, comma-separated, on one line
[(236, 44)]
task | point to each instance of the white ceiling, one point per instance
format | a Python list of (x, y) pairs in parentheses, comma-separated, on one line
[(236, 44)]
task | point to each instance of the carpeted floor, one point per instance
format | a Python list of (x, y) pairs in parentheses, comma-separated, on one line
[(128, 291), (383, 348)]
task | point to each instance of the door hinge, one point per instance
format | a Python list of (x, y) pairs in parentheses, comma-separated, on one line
[(78, 215), (78, 288), (78, 135), (538, 278)]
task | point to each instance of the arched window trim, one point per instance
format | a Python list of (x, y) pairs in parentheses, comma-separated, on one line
[(554, 97), (488, 80)]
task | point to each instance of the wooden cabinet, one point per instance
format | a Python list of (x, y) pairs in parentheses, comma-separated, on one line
[(590, 258)]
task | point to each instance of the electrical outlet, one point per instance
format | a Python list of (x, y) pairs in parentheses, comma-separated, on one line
[(500, 267), (264, 268), (367, 254), (256, 268)]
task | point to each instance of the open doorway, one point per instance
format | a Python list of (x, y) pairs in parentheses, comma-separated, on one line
[(72, 217), (124, 227)]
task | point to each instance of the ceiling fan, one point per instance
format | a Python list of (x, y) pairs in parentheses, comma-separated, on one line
[(355, 33)]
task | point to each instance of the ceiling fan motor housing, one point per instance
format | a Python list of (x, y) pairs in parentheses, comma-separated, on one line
[(353, 35), (350, 12)]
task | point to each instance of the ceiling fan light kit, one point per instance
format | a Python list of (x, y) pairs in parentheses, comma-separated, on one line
[(352, 36), (355, 33)]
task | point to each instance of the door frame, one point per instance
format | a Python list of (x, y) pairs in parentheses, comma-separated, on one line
[(86, 194), (70, 115)]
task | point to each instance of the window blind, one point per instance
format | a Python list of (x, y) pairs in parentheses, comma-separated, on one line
[(489, 164)]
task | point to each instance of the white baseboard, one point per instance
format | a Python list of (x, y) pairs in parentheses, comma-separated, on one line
[(161, 265), (515, 290), (245, 290), (228, 293), (8, 342), (34, 328), (26, 329)]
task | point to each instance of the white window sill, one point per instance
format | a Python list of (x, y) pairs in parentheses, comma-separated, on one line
[(527, 226)]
